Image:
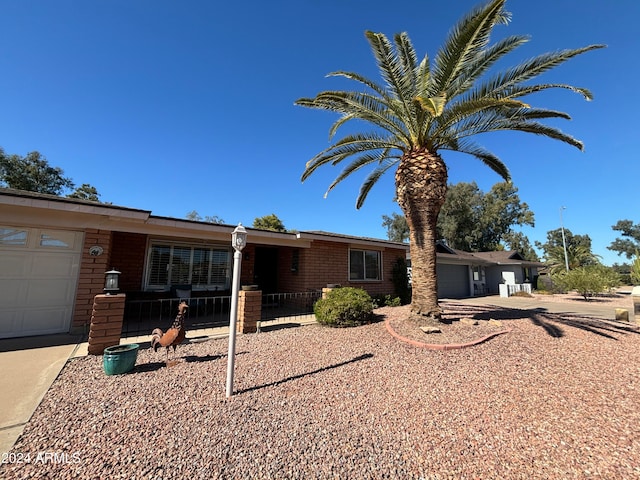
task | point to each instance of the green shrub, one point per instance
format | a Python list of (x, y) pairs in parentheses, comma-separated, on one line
[(386, 301), (588, 281), (344, 307), (545, 284)]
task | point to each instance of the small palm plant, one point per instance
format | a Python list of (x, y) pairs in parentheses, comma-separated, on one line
[(635, 269), (422, 109)]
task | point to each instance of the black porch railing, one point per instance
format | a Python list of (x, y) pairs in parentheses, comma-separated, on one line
[(281, 305), (142, 316)]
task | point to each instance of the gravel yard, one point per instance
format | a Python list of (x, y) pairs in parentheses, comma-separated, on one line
[(557, 397)]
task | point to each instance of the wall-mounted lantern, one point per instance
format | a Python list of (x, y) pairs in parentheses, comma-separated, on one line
[(111, 282)]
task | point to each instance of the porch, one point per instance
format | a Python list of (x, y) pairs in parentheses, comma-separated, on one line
[(142, 315)]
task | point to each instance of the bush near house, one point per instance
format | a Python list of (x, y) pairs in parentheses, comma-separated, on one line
[(386, 301), (588, 281), (400, 279), (344, 307)]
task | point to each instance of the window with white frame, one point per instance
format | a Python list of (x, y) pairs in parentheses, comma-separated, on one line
[(364, 265), (203, 267), (14, 237)]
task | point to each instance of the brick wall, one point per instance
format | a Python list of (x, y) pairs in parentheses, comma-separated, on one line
[(128, 257), (328, 262), (91, 277), (289, 280)]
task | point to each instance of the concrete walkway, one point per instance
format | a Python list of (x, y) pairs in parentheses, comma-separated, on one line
[(30, 365)]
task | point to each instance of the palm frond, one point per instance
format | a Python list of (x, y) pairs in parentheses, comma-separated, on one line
[(357, 164), (494, 121), (485, 60), (346, 147), (338, 123), (512, 78), (485, 156), (465, 42), (408, 59), (391, 70), (388, 163), (469, 110), (360, 79), (361, 106), (544, 130), (522, 90), (534, 114)]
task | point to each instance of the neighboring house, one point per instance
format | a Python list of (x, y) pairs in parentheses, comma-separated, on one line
[(465, 274), (54, 253)]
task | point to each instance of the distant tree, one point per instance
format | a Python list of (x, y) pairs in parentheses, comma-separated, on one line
[(626, 246), (458, 222), (397, 228), (269, 222), (85, 192), (195, 216), (474, 221), (32, 173), (624, 270), (519, 242), (579, 252)]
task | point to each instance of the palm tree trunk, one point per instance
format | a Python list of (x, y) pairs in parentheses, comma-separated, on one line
[(421, 187)]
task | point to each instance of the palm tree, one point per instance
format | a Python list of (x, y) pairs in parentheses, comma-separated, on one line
[(423, 109), (577, 256)]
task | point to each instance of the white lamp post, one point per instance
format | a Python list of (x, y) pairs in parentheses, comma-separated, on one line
[(238, 242), (564, 242)]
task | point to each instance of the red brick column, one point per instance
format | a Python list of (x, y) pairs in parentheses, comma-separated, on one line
[(91, 278), (249, 310), (106, 322)]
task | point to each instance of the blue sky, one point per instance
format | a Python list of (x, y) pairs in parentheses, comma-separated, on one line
[(174, 106)]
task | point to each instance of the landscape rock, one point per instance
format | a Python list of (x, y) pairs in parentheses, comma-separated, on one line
[(469, 321), (430, 330)]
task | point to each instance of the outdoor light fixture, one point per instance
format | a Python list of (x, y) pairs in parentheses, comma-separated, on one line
[(238, 242), (111, 281), (239, 238)]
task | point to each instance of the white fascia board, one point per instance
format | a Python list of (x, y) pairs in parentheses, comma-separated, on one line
[(62, 205), (355, 241)]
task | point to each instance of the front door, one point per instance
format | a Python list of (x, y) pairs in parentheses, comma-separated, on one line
[(266, 269)]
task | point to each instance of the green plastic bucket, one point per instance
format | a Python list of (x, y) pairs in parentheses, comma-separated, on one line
[(120, 359)]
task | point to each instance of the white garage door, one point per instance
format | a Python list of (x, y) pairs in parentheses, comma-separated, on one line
[(38, 278)]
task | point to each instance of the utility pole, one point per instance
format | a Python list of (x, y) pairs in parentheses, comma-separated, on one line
[(564, 241)]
